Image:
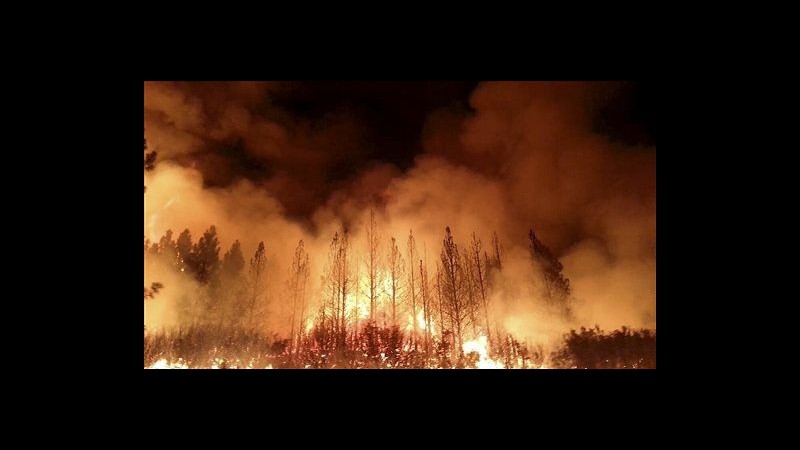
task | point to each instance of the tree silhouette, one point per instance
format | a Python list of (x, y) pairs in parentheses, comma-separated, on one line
[(168, 249), (297, 284), (427, 306), (222, 308), (338, 284), (345, 283), (593, 348), (229, 289), (411, 247), (149, 160), (150, 164), (454, 289), (184, 248), (205, 256), (257, 278), (480, 268), (373, 263), (396, 273), (556, 285), (233, 261), (497, 248)]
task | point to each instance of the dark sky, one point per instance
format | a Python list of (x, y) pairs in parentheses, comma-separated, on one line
[(306, 138), (395, 111)]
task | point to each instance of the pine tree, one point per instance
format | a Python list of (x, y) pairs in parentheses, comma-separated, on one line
[(297, 283), (471, 287), (229, 290), (330, 287), (337, 284), (257, 280), (184, 248), (345, 284), (233, 261), (206, 256), (372, 264), (149, 164), (556, 286), (480, 268), (412, 284), (427, 306), (149, 160), (453, 288), (167, 247), (498, 251), (396, 273)]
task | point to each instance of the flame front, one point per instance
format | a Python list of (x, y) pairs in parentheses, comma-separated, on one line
[(218, 363), (164, 364), (479, 345)]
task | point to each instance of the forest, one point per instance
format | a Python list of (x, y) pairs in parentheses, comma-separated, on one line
[(387, 308)]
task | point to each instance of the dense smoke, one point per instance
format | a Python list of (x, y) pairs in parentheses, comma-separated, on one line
[(524, 154)]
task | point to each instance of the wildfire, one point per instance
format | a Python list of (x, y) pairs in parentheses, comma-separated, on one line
[(479, 346), (163, 364), (218, 363), (385, 284), (421, 322), (357, 308)]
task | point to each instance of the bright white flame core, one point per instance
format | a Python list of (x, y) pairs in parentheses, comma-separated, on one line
[(479, 346), (217, 364), (163, 364)]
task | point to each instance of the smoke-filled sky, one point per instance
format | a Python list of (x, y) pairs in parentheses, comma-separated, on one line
[(280, 161)]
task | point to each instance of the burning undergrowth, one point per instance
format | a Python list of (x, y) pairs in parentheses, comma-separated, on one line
[(388, 348), (451, 313)]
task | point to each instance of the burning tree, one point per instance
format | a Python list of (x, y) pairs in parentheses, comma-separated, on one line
[(452, 310), (184, 248), (338, 284), (372, 263), (453, 287), (396, 276), (427, 306), (297, 283), (411, 247), (480, 267)]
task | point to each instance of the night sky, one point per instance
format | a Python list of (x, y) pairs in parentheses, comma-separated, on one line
[(395, 111), (328, 132)]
